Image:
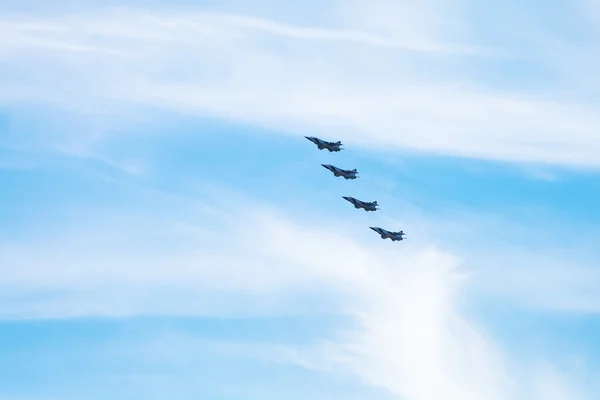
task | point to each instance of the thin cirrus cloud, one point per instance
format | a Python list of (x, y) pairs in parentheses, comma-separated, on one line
[(388, 77), (368, 83), (407, 331)]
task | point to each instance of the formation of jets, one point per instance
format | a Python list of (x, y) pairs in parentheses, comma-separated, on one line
[(351, 174)]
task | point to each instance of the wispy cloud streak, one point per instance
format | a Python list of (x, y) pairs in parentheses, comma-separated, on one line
[(361, 86)]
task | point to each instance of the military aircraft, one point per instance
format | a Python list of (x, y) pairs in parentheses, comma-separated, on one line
[(395, 236), (365, 205), (347, 174), (323, 144)]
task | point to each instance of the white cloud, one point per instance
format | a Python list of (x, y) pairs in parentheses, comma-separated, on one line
[(254, 252), (549, 384), (389, 76), (402, 297), (396, 76)]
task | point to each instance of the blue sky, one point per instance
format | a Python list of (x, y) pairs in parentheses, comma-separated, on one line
[(167, 232)]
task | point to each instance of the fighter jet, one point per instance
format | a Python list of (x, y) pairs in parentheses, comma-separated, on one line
[(365, 205), (323, 144), (347, 174), (395, 236)]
